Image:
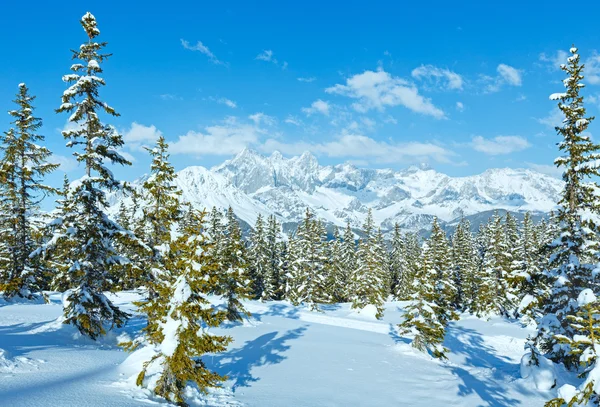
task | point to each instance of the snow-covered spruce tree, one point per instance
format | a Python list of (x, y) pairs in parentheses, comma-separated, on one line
[(438, 258), (409, 267), (464, 264), (396, 258), (369, 283), (584, 348), (86, 231), (348, 260), (306, 276), (273, 283), (215, 228), (23, 166), (234, 280), (181, 316), (575, 252), (495, 295), (258, 256), (526, 274), (336, 278), (421, 316)]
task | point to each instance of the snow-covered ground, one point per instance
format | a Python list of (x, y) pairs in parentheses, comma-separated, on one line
[(282, 356)]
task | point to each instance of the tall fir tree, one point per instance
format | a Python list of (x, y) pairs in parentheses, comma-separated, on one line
[(336, 278), (87, 231), (23, 166), (369, 283), (575, 253), (409, 267), (347, 259)]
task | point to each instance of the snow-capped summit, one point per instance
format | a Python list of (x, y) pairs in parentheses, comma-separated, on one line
[(253, 183)]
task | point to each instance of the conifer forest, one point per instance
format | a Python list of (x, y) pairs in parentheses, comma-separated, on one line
[(119, 291)]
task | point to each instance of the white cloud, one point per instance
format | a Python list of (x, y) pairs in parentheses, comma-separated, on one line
[(227, 102), (318, 106), (66, 164), (554, 61), (203, 49), (225, 139), (308, 80), (554, 118), (260, 117), (139, 136), (365, 148), (507, 75), (439, 77), (460, 106), (551, 170), (378, 90), (499, 144), (592, 69), (511, 75)]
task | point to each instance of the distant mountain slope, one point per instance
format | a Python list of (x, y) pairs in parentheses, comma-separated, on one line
[(253, 183)]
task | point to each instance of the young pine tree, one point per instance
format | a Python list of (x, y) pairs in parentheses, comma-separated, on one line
[(273, 283), (464, 262), (584, 347), (86, 231), (396, 258), (575, 253), (180, 318), (22, 168)]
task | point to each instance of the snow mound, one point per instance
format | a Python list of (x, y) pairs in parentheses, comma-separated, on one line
[(368, 312), (19, 363), (542, 375)]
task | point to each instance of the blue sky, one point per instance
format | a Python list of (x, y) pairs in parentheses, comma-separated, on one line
[(382, 84)]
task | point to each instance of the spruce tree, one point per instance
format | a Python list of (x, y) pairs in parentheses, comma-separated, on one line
[(347, 260), (259, 259), (369, 278), (181, 317), (396, 259), (273, 283), (438, 258), (306, 276), (234, 280), (336, 277), (583, 347), (87, 231), (575, 253), (409, 267), (464, 263), (23, 166), (422, 315)]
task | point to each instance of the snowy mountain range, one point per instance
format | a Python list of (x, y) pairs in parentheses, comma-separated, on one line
[(253, 184)]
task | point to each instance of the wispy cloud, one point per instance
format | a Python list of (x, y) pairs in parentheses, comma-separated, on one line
[(227, 102), (440, 78), (170, 96), (553, 61), (551, 170), (460, 106), (139, 136), (203, 49), (379, 89), (554, 118), (261, 118), (308, 80), (499, 145), (268, 56), (66, 164)]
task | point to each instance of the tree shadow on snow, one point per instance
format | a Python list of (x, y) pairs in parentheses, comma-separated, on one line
[(278, 309), (490, 388), (19, 339), (267, 349), (393, 333)]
